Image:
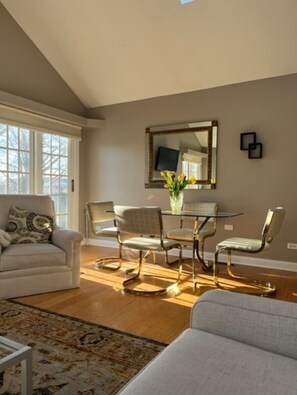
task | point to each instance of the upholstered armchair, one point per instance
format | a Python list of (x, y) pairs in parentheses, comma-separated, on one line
[(28, 268)]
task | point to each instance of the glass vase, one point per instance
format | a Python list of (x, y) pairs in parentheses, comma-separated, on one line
[(176, 201)]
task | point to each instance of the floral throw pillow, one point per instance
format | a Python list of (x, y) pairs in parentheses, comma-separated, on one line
[(28, 227)]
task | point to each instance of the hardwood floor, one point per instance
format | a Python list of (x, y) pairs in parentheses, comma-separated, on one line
[(99, 298)]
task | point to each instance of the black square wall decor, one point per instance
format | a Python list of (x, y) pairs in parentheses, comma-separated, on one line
[(255, 151), (246, 139)]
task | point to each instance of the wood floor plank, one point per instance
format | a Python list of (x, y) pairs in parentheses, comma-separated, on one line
[(100, 299)]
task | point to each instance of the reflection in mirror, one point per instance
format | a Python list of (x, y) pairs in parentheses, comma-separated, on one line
[(189, 148)]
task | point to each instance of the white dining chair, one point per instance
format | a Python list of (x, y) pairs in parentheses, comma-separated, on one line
[(100, 223), (271, 228), (141, 229)]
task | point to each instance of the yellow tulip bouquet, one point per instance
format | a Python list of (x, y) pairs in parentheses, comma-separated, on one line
[(176, 184)]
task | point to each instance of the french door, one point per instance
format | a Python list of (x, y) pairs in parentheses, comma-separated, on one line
[(38, 162)]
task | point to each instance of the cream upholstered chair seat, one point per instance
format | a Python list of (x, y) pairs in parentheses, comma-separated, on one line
[(106, 232), (148, 243), (100, 216), (271, 228), (187, 234), (141, 228), (242, 244)]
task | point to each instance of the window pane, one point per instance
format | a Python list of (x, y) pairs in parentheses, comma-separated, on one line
[(55, 145), (46, 142), (55, 185), (55, 164), (3, 182), (64, 185), (64, 146), (24, 183), (24, 139), (13, 137), (46, 185), (3, 159), (63, 219), (13, 183), (3, 136), (63, 166), (13, 160), (63, 204), (46, 164), (24, 162), (55, 173)]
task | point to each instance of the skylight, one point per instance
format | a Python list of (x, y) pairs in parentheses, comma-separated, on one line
[(185, 1)]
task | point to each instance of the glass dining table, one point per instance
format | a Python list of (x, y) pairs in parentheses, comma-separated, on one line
[(200, 220)]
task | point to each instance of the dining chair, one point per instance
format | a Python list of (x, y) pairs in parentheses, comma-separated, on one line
[(141, 229), (189, 233), (271, 228), (99, 213)]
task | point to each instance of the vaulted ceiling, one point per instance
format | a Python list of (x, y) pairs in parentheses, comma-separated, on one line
[(114, 51)]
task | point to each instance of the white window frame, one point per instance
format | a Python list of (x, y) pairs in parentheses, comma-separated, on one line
[(35, 169)]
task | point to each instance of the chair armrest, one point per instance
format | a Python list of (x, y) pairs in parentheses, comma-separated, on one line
[(69, 241), (264, 323), (62, 236)]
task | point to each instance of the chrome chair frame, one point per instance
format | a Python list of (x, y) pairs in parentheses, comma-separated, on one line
[(271, 228), (141, 228)]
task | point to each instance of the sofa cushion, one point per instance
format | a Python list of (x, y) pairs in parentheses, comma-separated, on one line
[(202, 363), (28, 227), (24, 256)]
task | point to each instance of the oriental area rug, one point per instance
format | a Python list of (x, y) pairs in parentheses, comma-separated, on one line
[(71, 356)]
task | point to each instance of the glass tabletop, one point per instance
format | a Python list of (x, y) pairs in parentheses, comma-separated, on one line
[(8, 347), (218, 214), (5, 350)]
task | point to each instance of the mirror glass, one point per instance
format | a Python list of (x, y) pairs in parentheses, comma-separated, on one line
[(189, 148)]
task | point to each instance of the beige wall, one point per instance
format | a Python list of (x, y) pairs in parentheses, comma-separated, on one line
[(25, 72), (112, 159)]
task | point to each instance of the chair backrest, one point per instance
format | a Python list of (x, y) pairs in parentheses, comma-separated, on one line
[(200, 207), (139, 220), (100, 211), (273, 223)]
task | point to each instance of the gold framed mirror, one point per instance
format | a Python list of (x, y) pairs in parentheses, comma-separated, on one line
[(189, 148)]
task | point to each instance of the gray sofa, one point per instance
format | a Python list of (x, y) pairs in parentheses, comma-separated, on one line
[(237, 344), (27, 269)]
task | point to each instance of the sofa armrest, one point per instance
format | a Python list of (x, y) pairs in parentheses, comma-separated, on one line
[(265, 323)]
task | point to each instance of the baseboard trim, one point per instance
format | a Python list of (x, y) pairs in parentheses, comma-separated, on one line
[(187, 253)]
